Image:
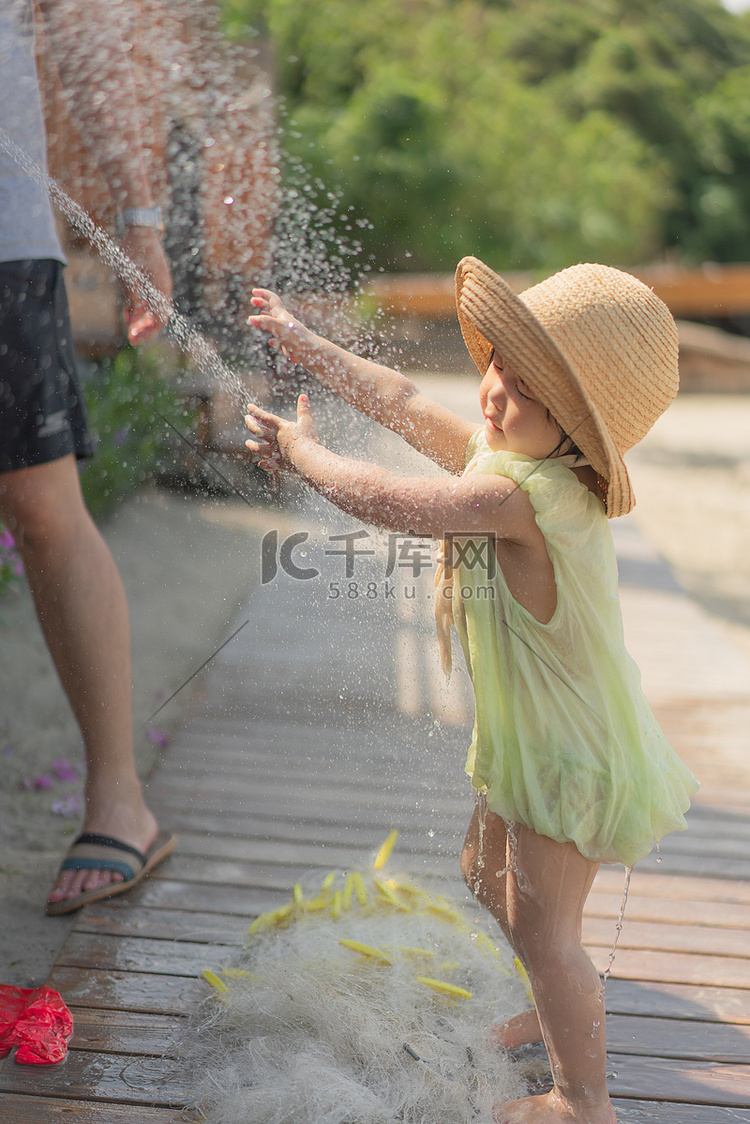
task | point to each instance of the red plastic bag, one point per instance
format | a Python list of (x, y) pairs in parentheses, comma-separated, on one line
[(37, 1021)]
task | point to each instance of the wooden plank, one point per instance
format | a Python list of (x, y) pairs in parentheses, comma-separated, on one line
[(123, 1032), (140, 954), (122, 1078), (693, 1082), (726, 915), (316, 791), (252, 769), (295, 853), (105, 989), (447, 833), (171, 924), (674, 967), (685, 887), (664, 1112), (713, 290), (231, 758), (678, 1001), (694, 864), (705, 822), (666, 937), (19, 1109), (374, 810), (690, 843), (678, 1038), (191, 868), (169, 893), (163, 908)]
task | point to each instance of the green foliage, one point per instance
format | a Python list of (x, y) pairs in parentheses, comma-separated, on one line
[(127, 403), (534, 132)]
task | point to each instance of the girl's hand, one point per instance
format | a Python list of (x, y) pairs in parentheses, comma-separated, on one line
[(287, 332), (275, 436)]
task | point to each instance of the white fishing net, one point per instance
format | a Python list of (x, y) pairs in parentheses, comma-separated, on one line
[(367, 1001)]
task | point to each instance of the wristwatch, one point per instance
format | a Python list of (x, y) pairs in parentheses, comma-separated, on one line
[(139, 216)]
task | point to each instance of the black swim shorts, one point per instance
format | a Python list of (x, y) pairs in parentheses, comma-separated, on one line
[(42, 414)]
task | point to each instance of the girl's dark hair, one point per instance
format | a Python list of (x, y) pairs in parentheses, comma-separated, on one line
[(566, 446)]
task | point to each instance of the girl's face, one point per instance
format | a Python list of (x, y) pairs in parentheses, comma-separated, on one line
[(514, 420)]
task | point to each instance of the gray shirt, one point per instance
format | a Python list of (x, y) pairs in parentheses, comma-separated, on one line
[(27, 225)]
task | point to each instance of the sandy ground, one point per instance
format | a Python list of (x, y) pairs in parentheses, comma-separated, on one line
[(189, 563)]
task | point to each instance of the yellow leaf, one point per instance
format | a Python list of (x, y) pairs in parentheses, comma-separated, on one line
[(444, 988), (211, 978), (366, 950), (384, 853)]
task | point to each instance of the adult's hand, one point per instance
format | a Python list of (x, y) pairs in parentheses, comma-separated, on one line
[(146, 315)]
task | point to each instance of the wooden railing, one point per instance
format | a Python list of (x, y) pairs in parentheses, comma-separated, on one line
[(709, 291)]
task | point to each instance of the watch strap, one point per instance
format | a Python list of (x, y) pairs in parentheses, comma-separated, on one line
[(150, 217)]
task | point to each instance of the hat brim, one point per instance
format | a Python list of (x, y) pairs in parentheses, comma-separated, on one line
[(493, 317)]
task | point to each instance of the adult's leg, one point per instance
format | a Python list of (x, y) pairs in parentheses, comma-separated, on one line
[(80, 602), (544, 912)]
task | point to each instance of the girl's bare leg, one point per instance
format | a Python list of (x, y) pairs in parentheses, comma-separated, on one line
[(518, 1031), (479, 866), (542, 912)]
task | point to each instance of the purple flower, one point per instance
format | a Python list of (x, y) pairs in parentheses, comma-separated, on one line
[(158, 737), (43, 780), (63, 770), (120, 436), (70, 806)]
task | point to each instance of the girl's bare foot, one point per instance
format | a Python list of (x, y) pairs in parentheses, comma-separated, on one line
[(518, 1031), (552, 1109)]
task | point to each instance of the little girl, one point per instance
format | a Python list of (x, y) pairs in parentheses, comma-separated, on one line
[(570, 767)]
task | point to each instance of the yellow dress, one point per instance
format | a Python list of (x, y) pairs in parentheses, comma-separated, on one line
[(564, 739)]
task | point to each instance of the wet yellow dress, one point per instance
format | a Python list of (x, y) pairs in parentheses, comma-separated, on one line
[(564, 739)]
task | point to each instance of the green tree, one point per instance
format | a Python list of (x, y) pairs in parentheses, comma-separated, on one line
[(534, 132)]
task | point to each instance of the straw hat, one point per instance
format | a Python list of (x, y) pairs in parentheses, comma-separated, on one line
[(595, 345)]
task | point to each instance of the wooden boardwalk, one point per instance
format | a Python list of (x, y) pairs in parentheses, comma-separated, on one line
[(305, 748)]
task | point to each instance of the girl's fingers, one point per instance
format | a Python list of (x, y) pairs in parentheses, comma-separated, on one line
[(254, 426), (270, 421), (305, 422), (269, 302), (261, 448)]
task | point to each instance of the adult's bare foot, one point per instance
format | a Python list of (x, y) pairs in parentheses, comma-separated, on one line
[(128, 821), (552, 1108)]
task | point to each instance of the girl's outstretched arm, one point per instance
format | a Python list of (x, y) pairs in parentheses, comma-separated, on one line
[(480, 504), (384, 395)]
